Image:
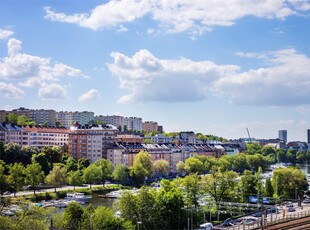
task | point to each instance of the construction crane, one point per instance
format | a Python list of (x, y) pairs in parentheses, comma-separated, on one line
[(250, 140)]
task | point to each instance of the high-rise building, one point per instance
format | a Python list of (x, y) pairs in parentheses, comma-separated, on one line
[(283, 135), (308, 136)]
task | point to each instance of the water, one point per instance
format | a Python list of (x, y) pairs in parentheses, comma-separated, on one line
[(305, 168), (97, 201)]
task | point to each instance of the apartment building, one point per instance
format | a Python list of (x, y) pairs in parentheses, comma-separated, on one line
[(3, 114), (44, 136), (161, 139), (91, 142), (66, 118), (115, 120), (11, 133), (149, 126), (33, 135), (39, 116), (133, 123)]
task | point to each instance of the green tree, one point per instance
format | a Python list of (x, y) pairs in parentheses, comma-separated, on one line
[(142, 166), (75, 178), (170, 203), (300, 156), (23, 120), (42, 160), (120, 173), (267, 150), (252, 148), (161, 167), (34, 175), (12, 153), (289, 180), (268, 189), (180, 167), (141, 208), (70, 164), (72, 216), (248, 183), (57, 177), (191, 185), (103, 218), (83, 163), (147, 141), (106, 169), (11, 118), (193, 165), (16, 177), (92, 174), (27, 152), (3, 177), (221, 186), (281, 155)]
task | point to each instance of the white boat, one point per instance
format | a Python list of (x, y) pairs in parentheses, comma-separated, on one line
[(78, 197)]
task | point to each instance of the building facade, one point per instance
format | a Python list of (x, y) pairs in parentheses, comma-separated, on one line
[(39, 116), (283, 135), (91, 143), (66, 118), (149, 126)]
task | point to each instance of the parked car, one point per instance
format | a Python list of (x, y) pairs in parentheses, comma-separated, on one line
[(289, 205), (249, 221), (7, 193), (228, 222), (291, 209), (306, 201)]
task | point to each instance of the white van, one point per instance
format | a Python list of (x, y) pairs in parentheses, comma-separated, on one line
[(205, 226)]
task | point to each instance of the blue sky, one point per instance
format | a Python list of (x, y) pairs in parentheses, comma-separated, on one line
[(216, 67)]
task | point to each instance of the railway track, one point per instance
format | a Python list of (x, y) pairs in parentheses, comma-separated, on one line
[(300, 224)]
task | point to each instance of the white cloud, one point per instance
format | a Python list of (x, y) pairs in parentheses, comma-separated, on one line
[(176, 16), (52, 91), (150, 79), (4, 34), (90, 95), (34, 71), (285, 80), (18, 65), (10, 91), (122, 29)]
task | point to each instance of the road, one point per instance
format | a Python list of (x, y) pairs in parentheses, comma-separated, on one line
[(30, 192)]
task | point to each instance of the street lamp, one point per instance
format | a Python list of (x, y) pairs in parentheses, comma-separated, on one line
[(139, 222)]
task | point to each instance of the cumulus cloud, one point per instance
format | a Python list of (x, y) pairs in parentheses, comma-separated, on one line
[(90, 95), (4, 34), (52, 91), (10, 91), (34, 71), (151, 79), (177, 16), (285, 80)]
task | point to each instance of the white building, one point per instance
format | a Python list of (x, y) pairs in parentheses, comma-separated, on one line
[(133, 123), (161, 139), (66, 118)]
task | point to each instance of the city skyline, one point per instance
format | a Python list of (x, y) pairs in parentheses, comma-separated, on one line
[(207, 66)]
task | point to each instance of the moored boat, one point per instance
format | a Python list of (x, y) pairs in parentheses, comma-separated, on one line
[(79, 197)]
